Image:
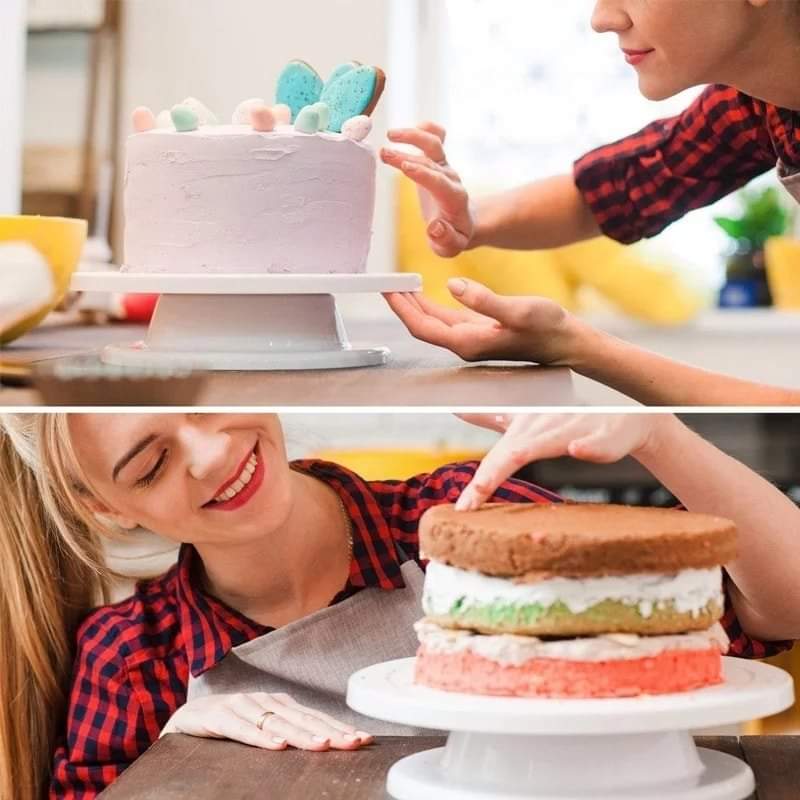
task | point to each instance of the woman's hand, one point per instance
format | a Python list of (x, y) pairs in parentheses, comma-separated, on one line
[(600, 438), (444, 200), (268, 721), (492, 326)]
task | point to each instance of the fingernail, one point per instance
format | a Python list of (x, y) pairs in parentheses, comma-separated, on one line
[(350, 737), (437, 230), (457, 286), (320, 739), (278, 740), (363, 735)]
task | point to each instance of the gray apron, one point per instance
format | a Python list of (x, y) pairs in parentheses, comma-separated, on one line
[(312, 658), (790, 180)]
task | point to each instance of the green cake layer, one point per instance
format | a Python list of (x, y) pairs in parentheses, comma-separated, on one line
[(609, 616)]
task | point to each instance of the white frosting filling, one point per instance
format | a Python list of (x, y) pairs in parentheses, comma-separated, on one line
[(516, 650), (690, 591), (228, 199)]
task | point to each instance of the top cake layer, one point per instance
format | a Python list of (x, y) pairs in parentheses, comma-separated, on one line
[(229, 199), (531, 542)]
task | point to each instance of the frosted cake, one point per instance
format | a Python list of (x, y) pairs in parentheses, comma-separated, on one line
[(285, 188)]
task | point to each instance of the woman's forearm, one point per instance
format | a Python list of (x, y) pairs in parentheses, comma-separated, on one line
[(655, 380), (545, 214), (766, 594)]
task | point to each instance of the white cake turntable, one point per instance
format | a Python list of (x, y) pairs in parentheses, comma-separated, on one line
[(245, 322), (538, 749)]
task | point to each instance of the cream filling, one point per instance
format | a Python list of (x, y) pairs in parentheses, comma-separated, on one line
[(244, 478), (689, 591), (517, 650)]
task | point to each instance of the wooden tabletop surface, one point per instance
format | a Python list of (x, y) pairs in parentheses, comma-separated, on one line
[(417, 375), (178, 767)]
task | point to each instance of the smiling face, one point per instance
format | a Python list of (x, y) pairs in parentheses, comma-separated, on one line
[(677, 44), (197, 478)]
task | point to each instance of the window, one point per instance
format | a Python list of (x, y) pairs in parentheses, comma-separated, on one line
[(526, 87)]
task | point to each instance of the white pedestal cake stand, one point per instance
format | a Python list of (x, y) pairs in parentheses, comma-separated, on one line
[(245, 322), (537, 749)]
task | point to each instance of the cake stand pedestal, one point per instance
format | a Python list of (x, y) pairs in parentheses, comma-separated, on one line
[(245, 322), (538, 749)]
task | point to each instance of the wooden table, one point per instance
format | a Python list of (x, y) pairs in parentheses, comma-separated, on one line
[(178, 767), (418, 375)]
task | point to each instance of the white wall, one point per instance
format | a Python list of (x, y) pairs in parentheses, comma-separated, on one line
[(12, 48), (223, 53)]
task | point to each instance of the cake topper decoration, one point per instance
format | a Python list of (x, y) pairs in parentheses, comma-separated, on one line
[(242, 114), (184, 118), (143, 120), (353, 90), (324, 115), (283, 114), (164, 119), (307, 120), (357, 128), (354, 93), (262, 118), (204, 115), (299, 85)]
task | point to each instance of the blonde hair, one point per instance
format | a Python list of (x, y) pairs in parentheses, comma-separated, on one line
[(51, 574)]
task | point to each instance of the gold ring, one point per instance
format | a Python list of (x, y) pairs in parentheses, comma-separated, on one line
[(263, 719)]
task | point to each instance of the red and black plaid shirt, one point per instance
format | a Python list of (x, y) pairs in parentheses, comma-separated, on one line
[(134, 658), (638, 186)]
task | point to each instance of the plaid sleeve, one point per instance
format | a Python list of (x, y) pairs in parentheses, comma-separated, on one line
[(638, 186), (742, 644), (106, 728), (404, 502)]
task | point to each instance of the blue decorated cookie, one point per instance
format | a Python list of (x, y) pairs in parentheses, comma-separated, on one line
[(354, 93), (299, 86), (342, 69)]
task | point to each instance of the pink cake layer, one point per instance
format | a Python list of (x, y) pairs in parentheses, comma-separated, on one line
[(665, 673)]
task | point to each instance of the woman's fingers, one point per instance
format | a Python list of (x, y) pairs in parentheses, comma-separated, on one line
[(302, 715), (445, 240), (226, 723), (493, 422), (451, 196), (429, 143), (396, 158), (421, 325)]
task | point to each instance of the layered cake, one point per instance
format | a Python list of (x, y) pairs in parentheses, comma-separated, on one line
[(287, 187), (572, 600)]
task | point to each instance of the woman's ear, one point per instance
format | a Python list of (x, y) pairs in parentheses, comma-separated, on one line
[(106, 516)]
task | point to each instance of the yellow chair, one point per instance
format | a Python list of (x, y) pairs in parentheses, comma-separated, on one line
[(648, 291), (376, 465), (783, 271), (60, 241)]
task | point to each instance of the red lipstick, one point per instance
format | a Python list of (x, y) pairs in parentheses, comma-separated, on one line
[(246, 494)]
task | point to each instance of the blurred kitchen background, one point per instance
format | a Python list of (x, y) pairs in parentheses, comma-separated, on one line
[(398, 446), (524, 89)]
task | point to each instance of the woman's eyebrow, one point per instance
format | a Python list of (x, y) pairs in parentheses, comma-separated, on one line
[(132, 453)]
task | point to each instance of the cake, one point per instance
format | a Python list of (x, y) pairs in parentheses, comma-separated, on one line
[(285, 188), (572, 600)]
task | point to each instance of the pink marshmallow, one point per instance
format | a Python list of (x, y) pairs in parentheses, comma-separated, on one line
[(282, 114), (262, 119), (143, 120)]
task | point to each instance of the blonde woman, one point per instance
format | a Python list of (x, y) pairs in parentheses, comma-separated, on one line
[(290, 577)]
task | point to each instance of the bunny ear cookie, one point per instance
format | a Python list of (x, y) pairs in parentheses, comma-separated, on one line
[(299, 85), (342, 69), (355, 92)]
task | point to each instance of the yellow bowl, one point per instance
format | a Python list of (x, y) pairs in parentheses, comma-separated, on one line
[(60, 241), (783, 271)]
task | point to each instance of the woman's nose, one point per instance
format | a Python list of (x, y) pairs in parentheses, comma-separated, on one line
[(609, 16), (206, 451)]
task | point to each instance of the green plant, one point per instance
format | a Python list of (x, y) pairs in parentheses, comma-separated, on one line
[(763, 216)]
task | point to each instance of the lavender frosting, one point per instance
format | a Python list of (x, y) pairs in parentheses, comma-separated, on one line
[(228, 199)]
